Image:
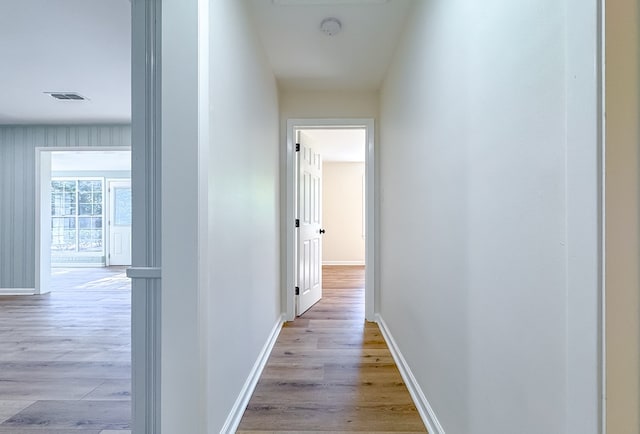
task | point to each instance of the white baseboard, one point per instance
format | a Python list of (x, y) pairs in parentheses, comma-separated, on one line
[(343, 263), (424, 408), (17, 291), (237, 411)]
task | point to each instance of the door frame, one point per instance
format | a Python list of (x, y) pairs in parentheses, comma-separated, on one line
[(43, 213), (146, 169), (289, 238)]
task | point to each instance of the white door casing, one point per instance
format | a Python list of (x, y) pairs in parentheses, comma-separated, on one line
[(119, 223), (309, 215), (289, 236)]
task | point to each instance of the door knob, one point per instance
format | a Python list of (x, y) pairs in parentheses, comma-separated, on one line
[(322, 231)]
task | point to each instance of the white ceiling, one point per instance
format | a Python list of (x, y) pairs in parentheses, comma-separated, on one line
[(65, 46), (73, 161), (83, 46), (343, 145), (303, 57)]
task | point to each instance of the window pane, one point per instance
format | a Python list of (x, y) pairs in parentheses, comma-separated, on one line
[(84, 209), (90, 240), (122, 211), (84, 197), (84, 186)]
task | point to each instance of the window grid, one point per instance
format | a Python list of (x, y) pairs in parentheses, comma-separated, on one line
[(77, 215)]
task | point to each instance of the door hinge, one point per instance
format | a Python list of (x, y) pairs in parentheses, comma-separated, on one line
[(297, 223), (297, 290), (297, 147)]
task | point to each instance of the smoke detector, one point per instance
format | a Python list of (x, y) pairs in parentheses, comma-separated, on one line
[(330, 26)]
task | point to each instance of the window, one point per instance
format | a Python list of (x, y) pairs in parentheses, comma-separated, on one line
[(76, 215)]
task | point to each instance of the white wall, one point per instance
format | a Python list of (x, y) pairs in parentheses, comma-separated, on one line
[(327, 104), (183, 323), (622, 209), (244, 218), (477, 186), (342, 213), (220, 273)]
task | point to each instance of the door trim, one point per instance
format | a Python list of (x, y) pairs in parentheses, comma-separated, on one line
[(288, 237), (146, 232)]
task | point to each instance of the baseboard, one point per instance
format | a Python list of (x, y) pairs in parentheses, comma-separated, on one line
[(17, 291), (424, 408), (235, 415), (343, 263)]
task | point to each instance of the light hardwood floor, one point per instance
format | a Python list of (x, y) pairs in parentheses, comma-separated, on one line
[(65, 357), (331, 371)]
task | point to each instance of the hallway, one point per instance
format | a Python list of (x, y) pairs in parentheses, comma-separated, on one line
[(331, 371)]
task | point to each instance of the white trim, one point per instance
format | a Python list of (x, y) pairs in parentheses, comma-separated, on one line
[(146, 231), (18, 291), (288, 192), (237, 411), (343, 263), (424, 408)]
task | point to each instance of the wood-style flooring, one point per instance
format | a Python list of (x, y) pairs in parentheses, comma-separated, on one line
[(331, 371), (65, 357)]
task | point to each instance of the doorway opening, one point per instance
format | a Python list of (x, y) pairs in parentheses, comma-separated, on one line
[(345, 224), (83, 210)]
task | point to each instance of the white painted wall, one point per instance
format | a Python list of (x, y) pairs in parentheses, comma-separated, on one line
[(480, 249), (342, 213), (622, 207), (220, 274), (183, 376), (327, 104), (243, 205)]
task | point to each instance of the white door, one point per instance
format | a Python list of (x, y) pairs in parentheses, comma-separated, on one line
[(119, 223), (309, 218)]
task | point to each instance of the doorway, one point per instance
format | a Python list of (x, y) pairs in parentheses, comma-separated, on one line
[(367, 183), (73, 206)]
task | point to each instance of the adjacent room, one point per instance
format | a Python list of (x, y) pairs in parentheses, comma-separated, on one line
[(65, 216)]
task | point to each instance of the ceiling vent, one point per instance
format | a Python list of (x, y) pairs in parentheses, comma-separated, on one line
[(67, 96)]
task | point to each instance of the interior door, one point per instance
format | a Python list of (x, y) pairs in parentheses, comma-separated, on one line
[(119, 223), (309, 217)]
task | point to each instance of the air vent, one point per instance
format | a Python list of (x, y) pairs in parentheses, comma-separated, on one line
[(67, 96)]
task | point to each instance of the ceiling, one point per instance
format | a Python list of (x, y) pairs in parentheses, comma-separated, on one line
[(78, 46), (74, 161), (303, 57), (343, 145), (83, 46)]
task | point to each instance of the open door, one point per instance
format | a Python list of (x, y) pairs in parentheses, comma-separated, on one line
[(309, 222), (119, 223)]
